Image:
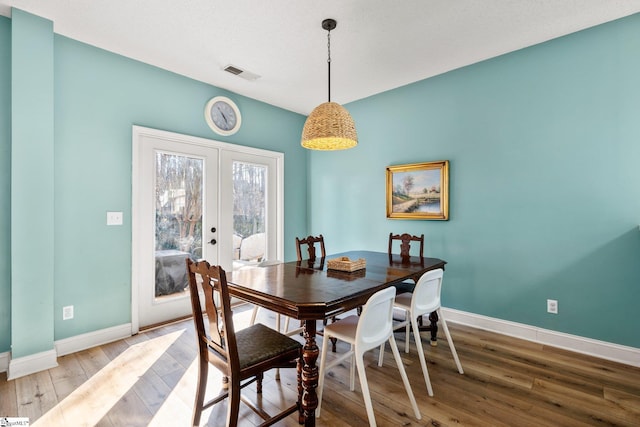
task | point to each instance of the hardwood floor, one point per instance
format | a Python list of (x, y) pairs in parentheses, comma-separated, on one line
[(149, 379)]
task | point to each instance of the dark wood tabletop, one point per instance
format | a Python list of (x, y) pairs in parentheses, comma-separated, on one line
[(310, 292), (302, 291)]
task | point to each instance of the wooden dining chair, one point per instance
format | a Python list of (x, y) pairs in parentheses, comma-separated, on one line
[(404, 242), (310, 242), (371, 329), (425, 299), (242, 356)]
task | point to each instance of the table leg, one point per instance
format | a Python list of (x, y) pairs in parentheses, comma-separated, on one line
[(432, 327), (310, 354), (433, 318)]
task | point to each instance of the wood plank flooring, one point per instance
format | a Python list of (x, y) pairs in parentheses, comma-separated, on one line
[(149, 379)]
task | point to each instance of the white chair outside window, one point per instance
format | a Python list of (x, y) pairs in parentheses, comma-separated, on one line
[(424, 300), (372, 328)]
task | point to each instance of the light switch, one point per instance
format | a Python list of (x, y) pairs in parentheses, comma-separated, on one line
[(114, 218)]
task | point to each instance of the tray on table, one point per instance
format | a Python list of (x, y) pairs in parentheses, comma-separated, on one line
[(346, 264)]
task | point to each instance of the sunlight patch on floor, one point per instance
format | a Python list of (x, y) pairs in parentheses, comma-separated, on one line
[(90, 402), (173, 407), (174, 410)]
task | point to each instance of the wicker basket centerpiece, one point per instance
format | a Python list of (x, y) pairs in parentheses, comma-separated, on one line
[(345, 264)]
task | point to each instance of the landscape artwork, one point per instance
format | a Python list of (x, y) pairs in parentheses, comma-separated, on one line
[(418, 191)]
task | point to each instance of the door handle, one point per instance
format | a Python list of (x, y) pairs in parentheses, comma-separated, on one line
[(213, 241), (213, 229)]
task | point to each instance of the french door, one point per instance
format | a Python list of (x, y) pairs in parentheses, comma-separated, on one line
[(200, 199)]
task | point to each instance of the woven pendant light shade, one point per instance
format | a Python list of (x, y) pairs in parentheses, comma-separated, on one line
[(329, 127)]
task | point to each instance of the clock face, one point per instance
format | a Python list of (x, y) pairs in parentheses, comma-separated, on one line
[(222, 115)]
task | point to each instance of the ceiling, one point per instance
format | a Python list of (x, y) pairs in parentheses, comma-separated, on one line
[(378, 45)]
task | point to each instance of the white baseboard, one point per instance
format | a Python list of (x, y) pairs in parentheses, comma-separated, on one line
[(92, 339), (31, 364), (4, 361), (601, 349)]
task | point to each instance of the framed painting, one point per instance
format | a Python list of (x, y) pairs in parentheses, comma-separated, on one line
[(418, 191)]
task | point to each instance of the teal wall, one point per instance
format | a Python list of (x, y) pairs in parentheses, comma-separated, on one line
[(544, 145), (32, 221), (98, 97), (5, 183)]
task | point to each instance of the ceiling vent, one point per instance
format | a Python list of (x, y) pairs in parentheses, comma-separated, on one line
[(247, 75)]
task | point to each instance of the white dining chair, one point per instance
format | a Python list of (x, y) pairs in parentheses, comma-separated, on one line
[(372, 328), (424, 299)]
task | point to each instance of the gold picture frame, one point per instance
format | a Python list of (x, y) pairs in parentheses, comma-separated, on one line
[(418, 191)]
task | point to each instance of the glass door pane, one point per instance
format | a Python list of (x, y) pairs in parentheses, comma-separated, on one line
[(178, 220), (175, 189), (249, 213)]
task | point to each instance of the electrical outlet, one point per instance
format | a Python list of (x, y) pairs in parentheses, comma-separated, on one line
[(552, 306), (67, 312), (114, 218)]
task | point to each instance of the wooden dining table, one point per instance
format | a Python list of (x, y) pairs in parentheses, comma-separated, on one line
[(309, 291)]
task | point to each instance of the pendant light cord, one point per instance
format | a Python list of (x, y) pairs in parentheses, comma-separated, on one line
[(329, 63)]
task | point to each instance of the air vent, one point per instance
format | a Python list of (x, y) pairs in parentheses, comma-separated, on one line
[(247, 75), (233, 70)]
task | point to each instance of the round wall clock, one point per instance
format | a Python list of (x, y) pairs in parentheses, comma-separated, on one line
[(222, 115)]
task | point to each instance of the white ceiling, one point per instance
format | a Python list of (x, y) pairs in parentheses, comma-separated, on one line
[(378, 44)]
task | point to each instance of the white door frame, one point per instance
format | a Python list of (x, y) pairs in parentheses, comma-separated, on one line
[(138, 132)]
